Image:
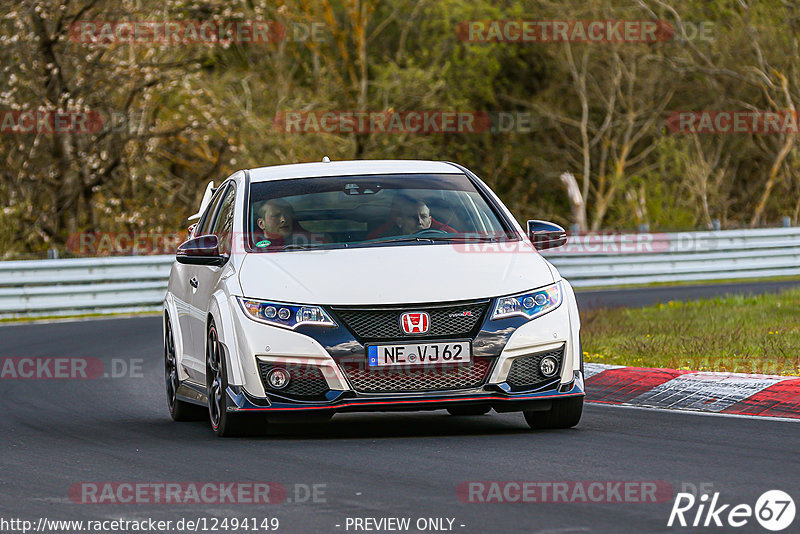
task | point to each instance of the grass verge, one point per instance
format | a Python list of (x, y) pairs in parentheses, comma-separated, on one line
[(753, 334)]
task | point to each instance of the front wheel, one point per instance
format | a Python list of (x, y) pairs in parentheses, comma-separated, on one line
[(224, 423), (564, 413)]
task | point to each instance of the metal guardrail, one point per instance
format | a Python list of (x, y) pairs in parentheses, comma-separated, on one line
[(678, 257), (84, 285), (138, 283)]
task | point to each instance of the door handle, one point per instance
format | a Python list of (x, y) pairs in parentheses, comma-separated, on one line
[(193, 282)]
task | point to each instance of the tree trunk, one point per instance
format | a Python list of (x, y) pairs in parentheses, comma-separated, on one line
[(575, 200)]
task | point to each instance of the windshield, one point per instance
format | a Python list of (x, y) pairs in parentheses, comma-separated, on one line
[(375, 210)]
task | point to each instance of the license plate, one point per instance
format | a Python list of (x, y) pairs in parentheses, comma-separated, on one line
[(419, 354)]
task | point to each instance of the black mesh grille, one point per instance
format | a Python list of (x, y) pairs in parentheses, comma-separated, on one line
[(366, 380), (525, 372), (370, 324), (306, 382)]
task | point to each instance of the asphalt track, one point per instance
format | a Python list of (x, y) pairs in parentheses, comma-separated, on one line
[(59, 433)]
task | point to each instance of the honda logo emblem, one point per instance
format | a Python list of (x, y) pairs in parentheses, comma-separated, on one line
[(415, 323)]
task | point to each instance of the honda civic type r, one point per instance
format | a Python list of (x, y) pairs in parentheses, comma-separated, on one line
[(322, 288)]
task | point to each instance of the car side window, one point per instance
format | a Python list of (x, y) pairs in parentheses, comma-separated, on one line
[(223, 226), (204, 226)]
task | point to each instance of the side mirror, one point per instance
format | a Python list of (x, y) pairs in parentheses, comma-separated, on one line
[(544, 234), (203, 250)]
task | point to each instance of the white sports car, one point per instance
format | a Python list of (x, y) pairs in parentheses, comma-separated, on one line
[(367, 286)]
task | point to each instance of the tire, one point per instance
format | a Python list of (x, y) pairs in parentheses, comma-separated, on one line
[(223, 423), (179, 410), (564, 413), (469, 410)]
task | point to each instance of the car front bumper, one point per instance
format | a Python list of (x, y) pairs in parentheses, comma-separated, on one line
[(239, 400), (501, 343)]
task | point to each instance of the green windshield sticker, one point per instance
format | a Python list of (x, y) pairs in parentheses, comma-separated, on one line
[(262, 244)]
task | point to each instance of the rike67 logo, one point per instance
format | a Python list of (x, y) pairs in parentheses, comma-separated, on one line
[(774, 510)]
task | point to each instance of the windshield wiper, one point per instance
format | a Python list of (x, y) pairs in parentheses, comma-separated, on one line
[(406, 239), (432, 239), (401, 239), (306, 246), (480, 238)]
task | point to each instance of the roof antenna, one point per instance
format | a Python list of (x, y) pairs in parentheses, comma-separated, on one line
[(326, 159)]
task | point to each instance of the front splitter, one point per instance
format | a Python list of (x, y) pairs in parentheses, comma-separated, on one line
[(241, 401)]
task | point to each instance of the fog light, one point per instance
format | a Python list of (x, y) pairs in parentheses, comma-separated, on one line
[(278, 378), (548, 366)]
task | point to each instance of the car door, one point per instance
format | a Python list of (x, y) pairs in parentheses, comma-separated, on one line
[(207, 277), (193, 357)]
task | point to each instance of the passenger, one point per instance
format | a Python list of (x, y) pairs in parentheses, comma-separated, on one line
[(279, 226)]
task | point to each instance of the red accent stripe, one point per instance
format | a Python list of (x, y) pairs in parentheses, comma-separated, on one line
[(615, 386), (378, 403), (779, 400)]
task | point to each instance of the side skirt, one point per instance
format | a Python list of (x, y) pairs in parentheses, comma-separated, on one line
[(191, 392)]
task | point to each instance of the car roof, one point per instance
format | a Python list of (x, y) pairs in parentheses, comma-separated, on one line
[(354, 167)]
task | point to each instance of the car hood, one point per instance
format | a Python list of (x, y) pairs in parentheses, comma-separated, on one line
[(393, 274)]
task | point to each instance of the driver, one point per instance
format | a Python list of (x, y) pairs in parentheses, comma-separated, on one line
[(414, 216), (407, 216)]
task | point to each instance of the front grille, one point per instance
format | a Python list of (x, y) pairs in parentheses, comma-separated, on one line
[(525, 374), (306, 382), (366, 380), (446, 321)]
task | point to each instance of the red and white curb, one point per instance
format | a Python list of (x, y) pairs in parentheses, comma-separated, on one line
[(724, 393)]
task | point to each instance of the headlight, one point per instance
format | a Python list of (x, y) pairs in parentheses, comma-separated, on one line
[(529, 305), (285, 315)]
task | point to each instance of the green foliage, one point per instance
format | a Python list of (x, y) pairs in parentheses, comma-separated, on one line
[(194, 113)]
